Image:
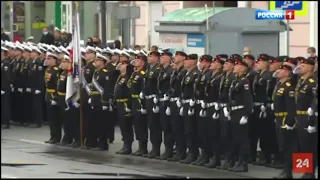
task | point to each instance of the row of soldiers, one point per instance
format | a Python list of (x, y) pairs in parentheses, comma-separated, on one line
[(206, 107)]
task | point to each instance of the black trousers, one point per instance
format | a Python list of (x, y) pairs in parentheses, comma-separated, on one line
[(307, 141), (287, 142), (178, 128), (66, 121), (5, 108), (140, 122), (166, 125), (201, 128), (14, 105), (240, 136), (53, 112), (113, 119), (37, 108), (212, 133), (87, 118), (125, 122), (154, 124), (75, 120), (226, 135), (27, 107), (190, 130)]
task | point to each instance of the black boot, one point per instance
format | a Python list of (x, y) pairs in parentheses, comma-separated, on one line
[(263, 159), (177, 157), (139, 151), (204, 159), (168, 153), (214, 162), (277, 163), (199, 158), (126, 149), (228, 163), (308, 176), (240, 166), (190, 158), (284, 174)]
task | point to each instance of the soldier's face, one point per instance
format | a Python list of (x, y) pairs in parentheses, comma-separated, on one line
[(49, 61), (215, 65), (178, 59), (89, 55), (115, 58), (34, 55), (152, 59), (98, 63), (123, 68), (274, 66), (123, 58), (26, 54), (228, 66), (64, 64), (305, 68), (281, 73), (289, 64), (189, 63), (248, 61), (164, 60), (260, 65), (204, 65), (138, 63)]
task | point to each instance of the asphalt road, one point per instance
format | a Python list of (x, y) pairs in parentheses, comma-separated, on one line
[(24, 155)]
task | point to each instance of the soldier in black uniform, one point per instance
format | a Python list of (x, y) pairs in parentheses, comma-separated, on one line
[(304, 98), (274, 64), (225, 125), (200, 108), (163, 94), (212, 126), (285, 112), (240, 108), (100, 101), (138, 111), (88, 71), (122, 97), (64, 113), (262, 124), (150, 93), (51, 80), (36, 84), (6, 80), (27, 96), (175, 92), (187, 109), (292, 62), (313, 113)]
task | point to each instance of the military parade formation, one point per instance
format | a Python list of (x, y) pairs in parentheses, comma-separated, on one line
[(202, 109)]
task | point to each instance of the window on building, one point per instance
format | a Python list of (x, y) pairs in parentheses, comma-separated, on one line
[(230, 4)]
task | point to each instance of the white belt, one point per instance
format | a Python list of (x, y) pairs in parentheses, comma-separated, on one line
[(174, 99), (150, 96), (184, 101), (163, 99), (223, 104), (316, 113), (258, 103), (199, 101), (233, 108), (211, 104)]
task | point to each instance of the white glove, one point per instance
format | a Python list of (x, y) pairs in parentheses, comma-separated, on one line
[(181, 111), (155, 100), (203, 113), (67, 109), (203, 105), (12, 89), (143, 111), (28, 90), (127, 110), (20, 90), (53, 103), (310, 111), (226, 112), (11, 85), (263, 113), (37, 92), (89, 101), (165, 97), (168, 111), (243, 120), (311, 129), (215, 116), (288, 127), (191, 112), (110, 108), (178, 103), (155, 109), (104, 108), (272, 106), (141, 95), (216, 106), (76, 105), (2, 92), (192, 102), (263, 108)]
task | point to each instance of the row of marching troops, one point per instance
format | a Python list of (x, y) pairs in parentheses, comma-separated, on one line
[(204, 107)]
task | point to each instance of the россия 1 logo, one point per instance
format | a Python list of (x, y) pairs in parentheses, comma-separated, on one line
[(274, 15)]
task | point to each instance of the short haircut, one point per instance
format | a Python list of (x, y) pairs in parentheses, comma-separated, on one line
[(313, 49)]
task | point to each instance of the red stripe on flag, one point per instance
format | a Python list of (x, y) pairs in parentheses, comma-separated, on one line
[(71, 61)]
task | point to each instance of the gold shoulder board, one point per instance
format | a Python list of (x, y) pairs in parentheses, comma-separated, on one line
[(142, 72), (311, 80), (288, 84), (55, 68), (104, 70)]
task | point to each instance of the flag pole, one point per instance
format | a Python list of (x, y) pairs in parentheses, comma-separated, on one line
[(80, 76)]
